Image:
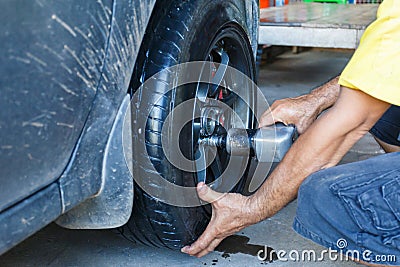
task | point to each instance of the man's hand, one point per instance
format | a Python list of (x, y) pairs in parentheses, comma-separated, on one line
[(230, 213), (300, 111)]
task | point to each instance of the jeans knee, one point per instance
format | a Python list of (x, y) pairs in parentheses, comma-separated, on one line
[(314, 196)]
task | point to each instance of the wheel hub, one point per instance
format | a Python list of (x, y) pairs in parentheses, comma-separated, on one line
[(211, 118)]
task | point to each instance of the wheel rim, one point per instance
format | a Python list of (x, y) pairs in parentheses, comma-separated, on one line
[(228, 49)]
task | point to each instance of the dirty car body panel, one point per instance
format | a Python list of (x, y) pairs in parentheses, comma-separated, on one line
[(65, 69), (49, 79)]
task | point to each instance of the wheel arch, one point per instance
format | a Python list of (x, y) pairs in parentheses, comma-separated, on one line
[(90, 183)]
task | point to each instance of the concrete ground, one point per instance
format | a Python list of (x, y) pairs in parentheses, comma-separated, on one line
[(289, 75)]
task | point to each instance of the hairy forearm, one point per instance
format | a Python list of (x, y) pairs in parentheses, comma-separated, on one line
[(325, 95), (303, 110), (305, 157), (321, 146)]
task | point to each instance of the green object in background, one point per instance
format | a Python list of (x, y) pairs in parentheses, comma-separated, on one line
[(327, 1)]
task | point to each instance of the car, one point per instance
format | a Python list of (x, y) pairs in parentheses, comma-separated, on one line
[(69, 71)]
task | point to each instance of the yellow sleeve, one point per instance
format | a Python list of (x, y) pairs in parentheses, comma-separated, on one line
[(375, 66)]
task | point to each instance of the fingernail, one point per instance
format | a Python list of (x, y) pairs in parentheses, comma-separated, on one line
[(201, 188), (185, 249)]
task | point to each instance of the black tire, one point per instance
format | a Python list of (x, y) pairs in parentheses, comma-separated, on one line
[(180, 31)]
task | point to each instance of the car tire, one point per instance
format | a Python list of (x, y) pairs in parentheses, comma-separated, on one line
[(180, 31)]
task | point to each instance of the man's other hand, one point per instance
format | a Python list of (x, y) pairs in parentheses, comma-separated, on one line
[(231, 212), (301, 111)]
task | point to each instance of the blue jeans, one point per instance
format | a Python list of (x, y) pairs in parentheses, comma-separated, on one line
[(357, 204)]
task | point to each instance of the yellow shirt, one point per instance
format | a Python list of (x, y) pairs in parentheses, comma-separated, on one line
[(375, 66)]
